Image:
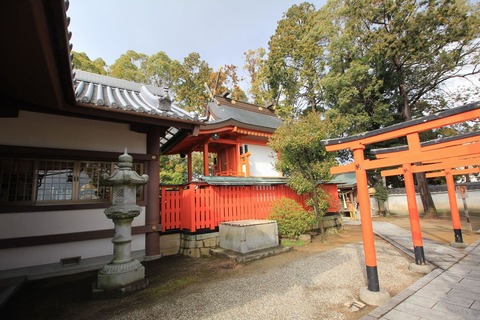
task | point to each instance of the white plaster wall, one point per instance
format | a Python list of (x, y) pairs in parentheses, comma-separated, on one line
[(52, 254), (397, 203), (58, 222), (35, 130), (25, 224), (262, 162)]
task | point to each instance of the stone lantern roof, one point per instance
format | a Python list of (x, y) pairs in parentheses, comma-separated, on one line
[(124, 175)]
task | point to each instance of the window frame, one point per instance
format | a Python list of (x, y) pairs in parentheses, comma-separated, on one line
[(77, 156)]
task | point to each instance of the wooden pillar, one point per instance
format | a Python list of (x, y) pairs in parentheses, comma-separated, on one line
[(366, 220), (189, 167), (457, 228), (206, 171), (413, 214), (152, 214)]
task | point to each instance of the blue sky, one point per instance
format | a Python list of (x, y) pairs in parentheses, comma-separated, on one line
[(219, 30)]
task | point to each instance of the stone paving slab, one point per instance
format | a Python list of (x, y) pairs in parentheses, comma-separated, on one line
[(451, 291)]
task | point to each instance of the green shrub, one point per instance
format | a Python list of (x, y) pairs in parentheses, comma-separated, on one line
[(291, 218)]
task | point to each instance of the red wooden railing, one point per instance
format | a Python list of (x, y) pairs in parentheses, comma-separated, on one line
[(202, 206)]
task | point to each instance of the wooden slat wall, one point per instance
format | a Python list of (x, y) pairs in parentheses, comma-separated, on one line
[(201, 206)]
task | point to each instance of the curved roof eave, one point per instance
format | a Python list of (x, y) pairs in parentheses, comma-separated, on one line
[(235, 123)]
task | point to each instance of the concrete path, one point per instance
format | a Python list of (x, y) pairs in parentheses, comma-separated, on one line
[(450, 291)]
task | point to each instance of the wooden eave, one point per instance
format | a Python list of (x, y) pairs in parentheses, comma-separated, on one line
[(229, 131), (37, 71), (238, 124), (244, 105), (34, 59)]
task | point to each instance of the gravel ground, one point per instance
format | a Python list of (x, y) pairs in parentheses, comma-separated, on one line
[(320, 286)]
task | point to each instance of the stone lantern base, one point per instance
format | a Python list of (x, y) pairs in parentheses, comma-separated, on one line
[(117, 280)]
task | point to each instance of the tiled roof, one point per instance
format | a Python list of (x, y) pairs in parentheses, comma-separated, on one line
[(224, 109), (345, 180), (121, 94)]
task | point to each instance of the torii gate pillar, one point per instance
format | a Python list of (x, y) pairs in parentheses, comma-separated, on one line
[(420, 264), (457, 228), (371, 294)]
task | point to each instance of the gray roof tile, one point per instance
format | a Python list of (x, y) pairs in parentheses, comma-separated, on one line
[(126, 95), (247, 114)]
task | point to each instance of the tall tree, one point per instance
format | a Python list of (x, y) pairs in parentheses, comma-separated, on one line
[(158, 69), (423, 43), (82, 62), (189, 80), (296, 60), (129, 67), (257, 69), (404, 52)]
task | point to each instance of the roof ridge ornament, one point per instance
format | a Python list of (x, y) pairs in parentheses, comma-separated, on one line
[(162, 103)]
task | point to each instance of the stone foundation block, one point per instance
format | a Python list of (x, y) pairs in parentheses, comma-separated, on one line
[(170, 244), (210, 243), (197, 245), (248, 235), (204, 251)]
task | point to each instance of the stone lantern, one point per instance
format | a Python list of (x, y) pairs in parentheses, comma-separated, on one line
[(123, 274)]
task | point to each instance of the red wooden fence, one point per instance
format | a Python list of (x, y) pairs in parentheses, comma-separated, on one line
[(202, 206)]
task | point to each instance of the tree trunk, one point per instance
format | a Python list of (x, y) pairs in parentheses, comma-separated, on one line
[(429, 208), (318, 213), (315, 204)]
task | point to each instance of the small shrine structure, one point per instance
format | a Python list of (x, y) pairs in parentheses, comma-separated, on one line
[(239, 179), (236, 134)]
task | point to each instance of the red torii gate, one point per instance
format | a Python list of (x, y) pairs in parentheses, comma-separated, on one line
[(441, 167), (415, 154)]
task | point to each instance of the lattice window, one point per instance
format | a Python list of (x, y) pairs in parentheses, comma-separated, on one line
[(55, 180), (30, 182), (89, 180)]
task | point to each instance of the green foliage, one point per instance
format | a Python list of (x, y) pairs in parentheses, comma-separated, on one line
[(256, 67), (292, 219), (130, 66), (302, 158), (158, 69), (410, 49), (296, 61), (173, 168), (323, 202), (227, 79), (388, 60), (293, 242), (82, 62), (189, 82), (381, 193)]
